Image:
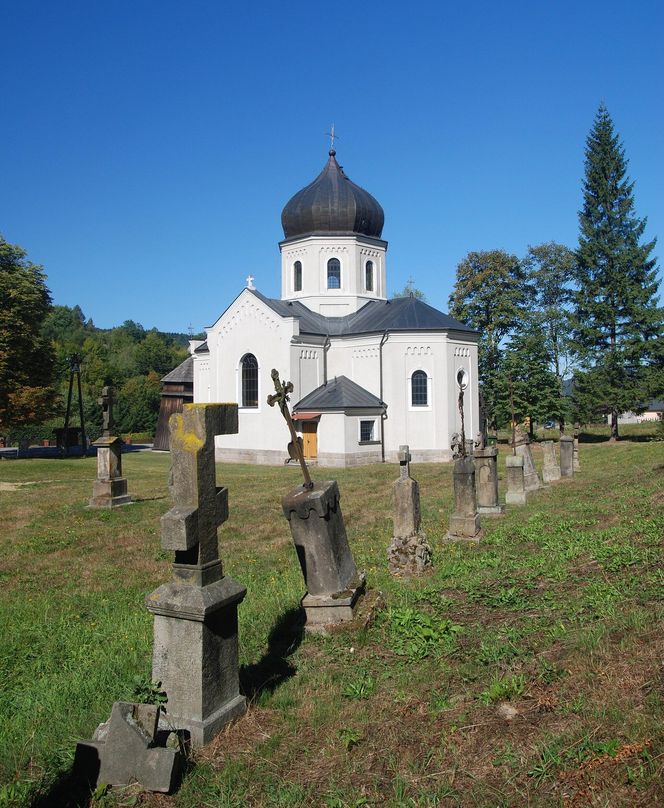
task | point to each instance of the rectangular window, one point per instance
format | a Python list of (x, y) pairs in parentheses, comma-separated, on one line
[(366, 431)]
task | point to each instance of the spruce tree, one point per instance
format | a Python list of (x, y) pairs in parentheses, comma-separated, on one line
[(617, 318)]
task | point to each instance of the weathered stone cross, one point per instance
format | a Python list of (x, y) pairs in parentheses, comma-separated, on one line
[(106, 403), (200, 506), (404, 462)]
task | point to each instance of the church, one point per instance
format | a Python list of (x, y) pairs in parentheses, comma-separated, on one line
[(369, 373)]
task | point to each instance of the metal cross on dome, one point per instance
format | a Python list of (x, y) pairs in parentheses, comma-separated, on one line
[(332, 137)]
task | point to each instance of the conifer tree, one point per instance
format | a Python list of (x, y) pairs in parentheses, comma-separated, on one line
[(617, 318)]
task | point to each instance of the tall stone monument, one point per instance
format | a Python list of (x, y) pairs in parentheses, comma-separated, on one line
[(409, 553), (486, 470), (550, 467), (334, 586), (195, 615), (109, 490), (516, 491), (465, 521), (566, 456)]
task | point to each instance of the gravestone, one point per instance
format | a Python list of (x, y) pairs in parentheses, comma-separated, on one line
[(314, 516), (566, 456), (486, 471), (551, 467), (465, 521), (576, 465), (195, 615), (409, 552), (531, 479), (110, 488), (130, 748), (516, 491)]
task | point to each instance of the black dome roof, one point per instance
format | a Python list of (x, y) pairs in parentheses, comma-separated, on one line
[(332, 204)]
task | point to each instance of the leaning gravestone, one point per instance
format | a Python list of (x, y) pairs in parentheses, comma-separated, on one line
[(195, 616), (313, 511), (486, 470), (516, 491), (566, 456), (409, 552), (531, 479), (550, 467), (110, 488)]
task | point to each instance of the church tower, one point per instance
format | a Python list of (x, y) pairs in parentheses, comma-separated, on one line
[(332, 256)]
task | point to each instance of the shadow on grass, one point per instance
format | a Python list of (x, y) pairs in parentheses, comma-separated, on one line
[(589, 437), (273, 668), (70, 790)]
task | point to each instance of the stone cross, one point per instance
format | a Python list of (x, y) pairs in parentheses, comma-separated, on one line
[(195, 616), (408, 553), (106, 402), (199, 505)]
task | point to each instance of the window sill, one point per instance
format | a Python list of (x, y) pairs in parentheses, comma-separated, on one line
[(368, 443)]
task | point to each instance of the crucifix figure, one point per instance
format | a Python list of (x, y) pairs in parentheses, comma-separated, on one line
[(281, 397), (106, 404), (332, 137)]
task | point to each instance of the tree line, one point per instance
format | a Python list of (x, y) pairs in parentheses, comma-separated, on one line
[(37, 341), (571, 334)]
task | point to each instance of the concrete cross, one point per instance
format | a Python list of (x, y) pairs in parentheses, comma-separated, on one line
[(200, 506), (250, 282)]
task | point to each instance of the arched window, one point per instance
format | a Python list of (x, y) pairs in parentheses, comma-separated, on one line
[(249, 367), (297, 276), (333, 274), (419, 393), (368, 276)]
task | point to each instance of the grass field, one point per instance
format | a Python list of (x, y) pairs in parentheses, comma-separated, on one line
[(559, 612)]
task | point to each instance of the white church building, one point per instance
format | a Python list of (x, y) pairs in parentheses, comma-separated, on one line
[(369, 374)]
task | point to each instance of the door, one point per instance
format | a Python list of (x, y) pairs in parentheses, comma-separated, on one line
[(310, 439)]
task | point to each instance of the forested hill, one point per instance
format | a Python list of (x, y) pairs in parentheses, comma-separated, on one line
[(129, 357)]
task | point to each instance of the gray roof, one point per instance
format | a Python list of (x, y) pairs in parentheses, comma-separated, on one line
[(182, 374), (339, 393), (332, 204), (398, 314), (202, 348)]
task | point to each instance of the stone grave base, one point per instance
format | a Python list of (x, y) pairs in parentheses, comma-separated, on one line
[(464, 528), (464, 538), (516, 498), (325, 611), (110, 493), (202, 732), (411, 556)]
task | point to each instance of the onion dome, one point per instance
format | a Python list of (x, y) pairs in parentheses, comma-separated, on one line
[(332, 204)]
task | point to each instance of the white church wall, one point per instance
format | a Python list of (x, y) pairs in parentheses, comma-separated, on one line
[(339, 440)]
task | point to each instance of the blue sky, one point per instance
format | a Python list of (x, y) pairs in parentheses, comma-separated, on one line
[(147, 148)]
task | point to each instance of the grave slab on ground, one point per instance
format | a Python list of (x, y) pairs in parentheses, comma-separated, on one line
[(195, 615)]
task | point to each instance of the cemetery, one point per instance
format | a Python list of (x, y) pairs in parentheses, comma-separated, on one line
[(367, 636)]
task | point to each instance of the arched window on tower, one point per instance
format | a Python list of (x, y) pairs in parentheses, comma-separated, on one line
[(333, 274), (419, 392), (249, 367), (369, 276), (297, 276)]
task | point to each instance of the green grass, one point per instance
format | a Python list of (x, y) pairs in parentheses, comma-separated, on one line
[(558, 610)]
